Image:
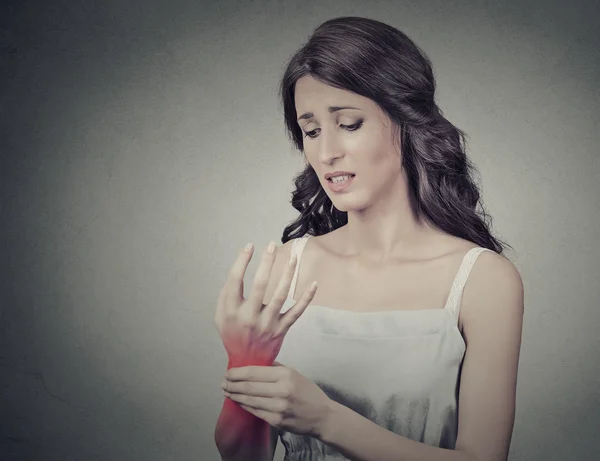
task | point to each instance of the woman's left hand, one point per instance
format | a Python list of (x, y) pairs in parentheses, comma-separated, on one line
[(280, 396)]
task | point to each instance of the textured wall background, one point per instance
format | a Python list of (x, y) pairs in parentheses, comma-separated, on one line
[(142, 145)]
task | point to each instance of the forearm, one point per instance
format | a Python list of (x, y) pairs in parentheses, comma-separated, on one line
[(239, 435), (360, 439)]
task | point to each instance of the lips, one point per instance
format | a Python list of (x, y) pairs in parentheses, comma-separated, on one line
[(340, 185), (329, 176)]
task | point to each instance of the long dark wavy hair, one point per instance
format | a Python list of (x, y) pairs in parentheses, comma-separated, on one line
[(377, 61)]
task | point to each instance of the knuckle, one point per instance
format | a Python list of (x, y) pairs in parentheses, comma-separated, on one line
[(265, 325), (248, 324), (229, 315), (286, 393), (279, 332), (229, 311), (278, 298), (260, 283), (247, 389), (290, 389), (295, 316), (282, 407)]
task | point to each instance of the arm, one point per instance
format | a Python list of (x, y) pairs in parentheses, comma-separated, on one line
[(239, 435), (492, 323), (244, 430)]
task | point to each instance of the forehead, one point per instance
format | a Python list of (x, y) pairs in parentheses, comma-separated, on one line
[(311, 94)]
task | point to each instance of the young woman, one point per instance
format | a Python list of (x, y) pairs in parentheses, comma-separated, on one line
[(409, 349)]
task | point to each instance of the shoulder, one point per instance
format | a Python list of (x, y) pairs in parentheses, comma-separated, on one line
[(493, 295), (493, 273)]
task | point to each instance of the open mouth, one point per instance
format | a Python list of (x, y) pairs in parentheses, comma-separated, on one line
[(350, 176)]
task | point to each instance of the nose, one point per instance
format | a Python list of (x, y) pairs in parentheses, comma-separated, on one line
[(328, 148)]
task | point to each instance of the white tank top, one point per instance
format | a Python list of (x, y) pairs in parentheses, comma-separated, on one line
[(400, 369)]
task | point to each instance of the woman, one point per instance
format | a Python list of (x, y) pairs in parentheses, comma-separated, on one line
[(374, 363)]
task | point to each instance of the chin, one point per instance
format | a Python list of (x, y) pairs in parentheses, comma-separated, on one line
[(347, 205)]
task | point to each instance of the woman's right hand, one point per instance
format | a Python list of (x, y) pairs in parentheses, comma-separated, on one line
[(252, 332)]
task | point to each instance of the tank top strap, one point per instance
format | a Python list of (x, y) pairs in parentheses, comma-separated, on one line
[(453, 302), (297, 248)]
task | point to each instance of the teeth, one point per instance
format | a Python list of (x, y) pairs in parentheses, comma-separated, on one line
[(340, 178)]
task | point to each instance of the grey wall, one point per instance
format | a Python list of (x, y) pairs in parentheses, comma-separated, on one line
[(143, 145)]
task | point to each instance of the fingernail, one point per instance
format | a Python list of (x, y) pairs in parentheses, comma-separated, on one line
[(248, 247), (271, 247)]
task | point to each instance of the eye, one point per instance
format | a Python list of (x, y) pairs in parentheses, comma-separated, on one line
[(354, 127)]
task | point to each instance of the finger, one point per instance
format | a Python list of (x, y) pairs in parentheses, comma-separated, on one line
[(267, 416), (261, 279), (256, 389), (288, 319), (257, 373), (283, 287), (234, 285), (222, 299), (256, 403)]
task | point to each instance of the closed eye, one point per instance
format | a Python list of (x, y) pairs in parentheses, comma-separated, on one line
[(356, 126)]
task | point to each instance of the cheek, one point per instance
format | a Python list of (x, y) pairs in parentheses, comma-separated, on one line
[(376, 156), (384, 156)]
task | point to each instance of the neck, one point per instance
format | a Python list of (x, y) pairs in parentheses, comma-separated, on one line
[(385, 230)]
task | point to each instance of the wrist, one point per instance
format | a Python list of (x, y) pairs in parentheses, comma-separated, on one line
[(237, 362), (331, 414)]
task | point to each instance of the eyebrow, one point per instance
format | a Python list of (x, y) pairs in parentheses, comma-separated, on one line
[(331, 110)]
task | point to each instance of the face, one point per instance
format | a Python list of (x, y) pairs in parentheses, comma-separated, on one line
[(357, 140)]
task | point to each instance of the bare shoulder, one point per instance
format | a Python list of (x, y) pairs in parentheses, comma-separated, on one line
[(493, 293), (493, 270), (283, 253)]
